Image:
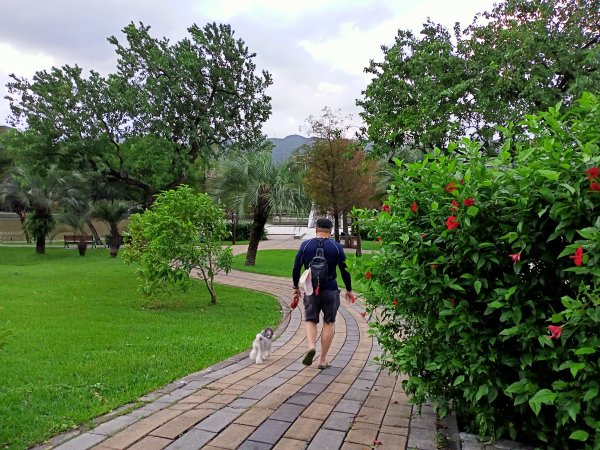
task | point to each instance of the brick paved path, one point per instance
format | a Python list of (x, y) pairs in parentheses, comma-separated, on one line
[(280, 404)]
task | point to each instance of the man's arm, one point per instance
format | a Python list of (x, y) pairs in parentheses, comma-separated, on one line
[(345, 274), (297, 266)]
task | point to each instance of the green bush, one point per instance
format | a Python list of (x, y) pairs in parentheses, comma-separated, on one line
[(482, 258), (243, 231)]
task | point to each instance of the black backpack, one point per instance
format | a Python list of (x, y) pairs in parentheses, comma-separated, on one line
[(319, 269)]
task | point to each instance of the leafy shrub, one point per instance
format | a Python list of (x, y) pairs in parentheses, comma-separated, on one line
[(181, 233), (243, 231), (481, 259)]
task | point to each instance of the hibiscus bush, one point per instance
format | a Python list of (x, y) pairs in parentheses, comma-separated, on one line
[(486, 289)]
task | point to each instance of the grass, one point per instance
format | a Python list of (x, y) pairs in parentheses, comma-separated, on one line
[(276, 262), (370, 245), (82, 342)]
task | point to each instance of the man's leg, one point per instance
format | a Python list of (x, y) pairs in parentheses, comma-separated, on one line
[(311, 334), (326, 338)]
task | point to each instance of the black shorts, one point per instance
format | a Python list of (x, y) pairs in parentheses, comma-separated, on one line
[(327, 301)]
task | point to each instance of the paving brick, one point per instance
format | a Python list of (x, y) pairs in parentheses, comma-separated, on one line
[(313, 388), (269, 431), (317, 411), (398, 430), (253, 445), (302, 398), (232, 436), (151, 443), (290, 444), (114, 425), (219, 420), (329, 398), (392, 441), (339, 421), (180, 424), (288, 412), (370, 415), (327, 440), (380, 391), (192, 440), (348, 406), (303, 429), (82, 442), (337, 388), (356, 394), (254, 416), (272, 401), (362, 433), (138, 430), (223, 399), (351, 446)]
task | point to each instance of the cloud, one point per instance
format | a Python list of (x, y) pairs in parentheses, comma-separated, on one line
[(316, 49)]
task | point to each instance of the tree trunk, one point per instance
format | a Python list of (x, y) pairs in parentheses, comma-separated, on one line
[(22, 217), (233, 227), (336, 224), (40, 245), (92, 228), (358, 241), (348, 243), (114, 244), (82, 245), (258, 225)]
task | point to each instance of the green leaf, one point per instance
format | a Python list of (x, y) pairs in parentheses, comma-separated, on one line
[(585, 351), (590, 394), (579, 435), (472, 211), (549, 174), (459, 379), (483, 390), (544, 396), (510, 331), (576, 367), (477, 286)]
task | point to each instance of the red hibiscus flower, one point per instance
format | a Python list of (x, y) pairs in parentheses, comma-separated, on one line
[(451, 223), (414, 208), (594, 186), (578, 256), (555, 331), (364, 313), (395, 302), (516, 257), (368, 275), (469, 201), (592, 173), (451, 187), (434, 266), (454, 206), (385, 208)]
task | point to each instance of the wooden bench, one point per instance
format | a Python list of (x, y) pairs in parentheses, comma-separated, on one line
[(75, 238), (353, 241)]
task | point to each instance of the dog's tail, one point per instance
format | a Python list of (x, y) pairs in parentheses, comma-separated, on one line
[(268, 333)]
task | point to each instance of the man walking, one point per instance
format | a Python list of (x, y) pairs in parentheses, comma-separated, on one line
[(326, 295)]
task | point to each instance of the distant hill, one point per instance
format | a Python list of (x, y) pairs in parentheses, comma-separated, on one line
[(283, 148)]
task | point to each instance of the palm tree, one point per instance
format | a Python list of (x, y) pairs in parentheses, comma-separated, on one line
[(38, 197), (78, 221), (251, 182), (112, 213)]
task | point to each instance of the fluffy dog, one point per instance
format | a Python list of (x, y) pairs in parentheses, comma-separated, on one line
[(261, 347)]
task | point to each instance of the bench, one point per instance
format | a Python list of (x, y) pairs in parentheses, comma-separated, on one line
[(353, 241), (75, 238)]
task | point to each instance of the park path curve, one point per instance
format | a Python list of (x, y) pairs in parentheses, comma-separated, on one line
[(280, 404)]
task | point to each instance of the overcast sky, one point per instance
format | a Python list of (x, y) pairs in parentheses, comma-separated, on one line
[(316, 50)]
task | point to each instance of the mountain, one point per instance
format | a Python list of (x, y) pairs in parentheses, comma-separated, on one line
[(283, 148)]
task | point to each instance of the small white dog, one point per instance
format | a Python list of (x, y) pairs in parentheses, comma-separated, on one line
[(261, 347)]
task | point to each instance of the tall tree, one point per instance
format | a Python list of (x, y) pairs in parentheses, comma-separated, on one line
[(112, 214), (167, 109), (523, 56), (251, 182), (338, 178)]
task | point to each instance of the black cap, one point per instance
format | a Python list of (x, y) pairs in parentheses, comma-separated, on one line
[(324, 223)]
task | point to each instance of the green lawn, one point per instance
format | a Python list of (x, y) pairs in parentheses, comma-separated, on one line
[(84, 342)]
